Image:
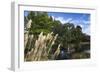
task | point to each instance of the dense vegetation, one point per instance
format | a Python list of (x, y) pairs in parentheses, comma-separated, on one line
[(73, 41)]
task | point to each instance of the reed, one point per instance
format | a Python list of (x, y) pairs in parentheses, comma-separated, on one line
[(43, 46)]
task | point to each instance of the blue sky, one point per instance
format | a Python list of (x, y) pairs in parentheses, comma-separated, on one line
[(82, 19), (26, 13)]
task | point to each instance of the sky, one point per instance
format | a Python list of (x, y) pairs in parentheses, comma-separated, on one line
[(81, 19), (26, 13)]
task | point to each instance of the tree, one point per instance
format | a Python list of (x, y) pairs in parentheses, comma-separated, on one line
[(40, 22), (65, 34), (77, 33)]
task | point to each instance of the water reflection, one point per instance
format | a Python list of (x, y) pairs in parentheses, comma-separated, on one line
[(64, 54)]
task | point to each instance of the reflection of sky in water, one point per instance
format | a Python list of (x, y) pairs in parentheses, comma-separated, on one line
[(62, 52)]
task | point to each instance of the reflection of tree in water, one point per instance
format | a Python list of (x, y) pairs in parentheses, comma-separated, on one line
[(63, 54)]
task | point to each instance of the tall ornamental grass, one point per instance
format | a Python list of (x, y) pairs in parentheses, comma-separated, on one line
[(42, 47)]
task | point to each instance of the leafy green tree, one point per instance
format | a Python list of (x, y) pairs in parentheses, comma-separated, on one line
[(40, 22), (65, 34), (77, 33)]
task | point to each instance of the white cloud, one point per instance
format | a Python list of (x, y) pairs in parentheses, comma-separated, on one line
[(86, 30), (79, 25), (84, 24), (62, 20), (53, 17)]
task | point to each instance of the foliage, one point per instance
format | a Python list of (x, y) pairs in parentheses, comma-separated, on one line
[(40, 24)]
